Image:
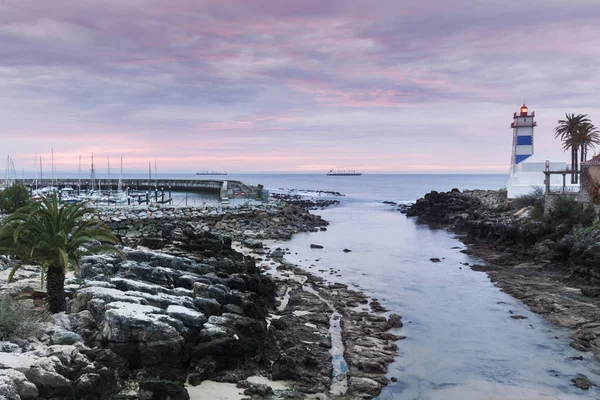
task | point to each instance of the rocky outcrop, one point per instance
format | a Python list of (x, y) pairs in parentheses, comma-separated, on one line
[(308, 203), (151, 319), (156, 226)]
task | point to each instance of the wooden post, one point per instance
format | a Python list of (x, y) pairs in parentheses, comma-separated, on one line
[(547, 174), (564, 181)]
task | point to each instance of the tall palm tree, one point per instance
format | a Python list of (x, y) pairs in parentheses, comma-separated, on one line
[(589, 137), (567, 132), (55, 238)]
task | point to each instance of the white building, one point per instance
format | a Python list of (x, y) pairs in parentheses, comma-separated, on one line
[(527, 169)]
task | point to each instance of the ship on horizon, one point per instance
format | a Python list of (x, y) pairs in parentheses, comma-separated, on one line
[(211, 173), (343, 172)]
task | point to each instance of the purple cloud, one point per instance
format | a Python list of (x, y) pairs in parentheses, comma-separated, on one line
[(405, 86)]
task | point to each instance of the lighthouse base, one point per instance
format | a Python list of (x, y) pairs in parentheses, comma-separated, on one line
[(529, 176)]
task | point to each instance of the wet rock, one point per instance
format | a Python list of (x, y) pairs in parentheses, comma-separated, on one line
[(364, 386), (582, 383), (257, 389), (395, 321), (518, 317)]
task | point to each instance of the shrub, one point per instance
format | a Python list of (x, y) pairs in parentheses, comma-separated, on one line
[(503, 193), (14, 197), (17, 320), (567, 210), (534, 198)]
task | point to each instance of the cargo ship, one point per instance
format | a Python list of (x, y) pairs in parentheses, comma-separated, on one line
[(333, 172), (212, 173)]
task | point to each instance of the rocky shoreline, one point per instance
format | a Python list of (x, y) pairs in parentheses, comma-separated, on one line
[(548, 262), (185, 308)]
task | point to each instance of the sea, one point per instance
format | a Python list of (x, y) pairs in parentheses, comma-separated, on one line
[(460, 340)]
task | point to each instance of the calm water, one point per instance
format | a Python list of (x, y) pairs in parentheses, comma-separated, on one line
[(461, 342)]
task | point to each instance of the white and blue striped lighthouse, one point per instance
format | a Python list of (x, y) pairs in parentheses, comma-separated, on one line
[(523, 124)]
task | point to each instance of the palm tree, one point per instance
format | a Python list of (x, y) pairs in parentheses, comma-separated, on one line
[(567, 132), (589, 137), (55, 238)]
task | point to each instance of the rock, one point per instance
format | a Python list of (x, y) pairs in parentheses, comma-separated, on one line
[(156, 389), (582, 383), (364, 385), (347, 250), (66, 338), (435, 260), (7, 389), (395, 321), (591, 292), (252, 243), (518, 317), (8, 347), (207, 306), (22, 387), (258, 389), (189, 317), (90, 383), (49, 383), (316, 246)]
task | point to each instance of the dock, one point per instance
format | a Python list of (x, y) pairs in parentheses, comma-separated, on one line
[(223, 188)]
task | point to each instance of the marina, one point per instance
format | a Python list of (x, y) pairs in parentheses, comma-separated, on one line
[(140, 191)]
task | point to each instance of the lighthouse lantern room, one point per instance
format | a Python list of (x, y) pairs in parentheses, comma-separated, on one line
[(523, 124)]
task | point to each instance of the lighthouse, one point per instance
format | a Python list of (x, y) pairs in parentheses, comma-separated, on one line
[(526, 169), (522, 148)]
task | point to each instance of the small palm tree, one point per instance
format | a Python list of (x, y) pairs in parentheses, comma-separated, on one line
[(55, 238), (567, 132), (589, 137)]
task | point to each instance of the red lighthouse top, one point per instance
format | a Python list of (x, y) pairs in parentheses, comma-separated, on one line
[(524, 111)]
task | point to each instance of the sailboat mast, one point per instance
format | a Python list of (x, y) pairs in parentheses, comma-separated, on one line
[(109, 182), (52, 166), (35, 169), (121, 177), (93, 176)]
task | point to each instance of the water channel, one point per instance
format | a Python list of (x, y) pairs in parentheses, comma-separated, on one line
[(461, 342)]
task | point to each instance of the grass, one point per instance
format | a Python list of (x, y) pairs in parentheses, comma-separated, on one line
[(18, 320)]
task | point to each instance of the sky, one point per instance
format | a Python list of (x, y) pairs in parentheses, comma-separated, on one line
[(300, 86)]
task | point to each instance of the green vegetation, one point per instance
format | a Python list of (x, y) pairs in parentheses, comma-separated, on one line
[(533, 198), (55, 238), (17, 320), (578, 134), (568, 212), (503, 194), (14, 197)]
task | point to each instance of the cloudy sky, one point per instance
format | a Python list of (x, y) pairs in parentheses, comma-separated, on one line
[(282, 85)]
